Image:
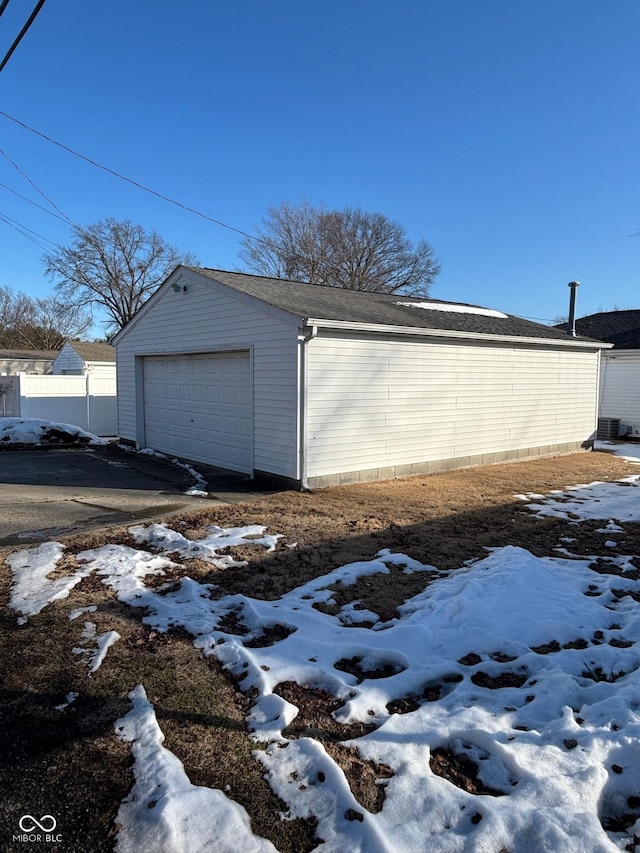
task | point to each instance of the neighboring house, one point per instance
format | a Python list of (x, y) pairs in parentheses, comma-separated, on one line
[(620, 328), (620, 371), (79, 357), (319, 385), (14, 361), (79, 389)]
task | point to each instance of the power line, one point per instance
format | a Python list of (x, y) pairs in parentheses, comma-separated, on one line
[(22, 32), (135, 183), (36, 187), (34, 203), (22, 229), (539, 319), (3, 6)]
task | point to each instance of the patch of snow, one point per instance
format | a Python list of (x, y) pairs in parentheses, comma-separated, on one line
[(629, 452), (124, 569), (617, 501), (164, 811), (611, 527), (104, 643), (70, 698), (162, 536), (79, 611), (199, 488), (36, 430), (455, 308), (94, 657), (32, 588)]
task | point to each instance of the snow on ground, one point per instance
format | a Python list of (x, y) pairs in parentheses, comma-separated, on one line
[(32, 588), (527, 666), (629, 451), (607, 501), (619, 501), (37, 431), (164, 811), (199, 488), (103, 642)]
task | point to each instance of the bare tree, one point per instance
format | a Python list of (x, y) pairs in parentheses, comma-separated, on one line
[(348, 248), (14, 309), (46, 323), (113, 264), (50, 322)]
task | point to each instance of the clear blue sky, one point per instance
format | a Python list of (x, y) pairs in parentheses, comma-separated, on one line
[(505, 132)]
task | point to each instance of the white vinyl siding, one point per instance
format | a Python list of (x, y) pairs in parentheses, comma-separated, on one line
[(105, 369), (69, 363), (620, 388), (377, 404), (207, 318)]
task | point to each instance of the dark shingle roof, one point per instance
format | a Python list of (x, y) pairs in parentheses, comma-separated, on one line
[(93, 352), (354, 306), (42, 354), (621, 328)]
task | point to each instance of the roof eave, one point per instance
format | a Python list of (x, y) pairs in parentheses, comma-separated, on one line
[(342, 325)]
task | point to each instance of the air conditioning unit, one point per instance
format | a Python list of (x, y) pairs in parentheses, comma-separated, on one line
[(608, 428)]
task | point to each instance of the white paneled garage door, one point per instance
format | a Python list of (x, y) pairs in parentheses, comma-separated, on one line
[(199, 407)]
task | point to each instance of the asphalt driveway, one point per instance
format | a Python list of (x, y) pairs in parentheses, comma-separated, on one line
[(56, 492)]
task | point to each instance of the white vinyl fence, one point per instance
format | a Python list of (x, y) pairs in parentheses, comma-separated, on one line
[(86, 401)]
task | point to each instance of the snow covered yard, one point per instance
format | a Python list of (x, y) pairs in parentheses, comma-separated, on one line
[(446, 664)]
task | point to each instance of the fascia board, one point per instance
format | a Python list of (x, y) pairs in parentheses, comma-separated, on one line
[(341, 325)]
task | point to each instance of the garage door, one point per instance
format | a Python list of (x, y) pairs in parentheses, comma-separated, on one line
[(199, 407)]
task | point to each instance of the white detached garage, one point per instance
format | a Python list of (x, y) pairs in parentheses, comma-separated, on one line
[(318, 386)]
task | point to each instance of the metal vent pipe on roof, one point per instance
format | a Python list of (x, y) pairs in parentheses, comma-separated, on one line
[(571, 322)]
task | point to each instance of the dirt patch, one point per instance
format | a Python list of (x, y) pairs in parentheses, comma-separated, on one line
[(460, 770), (315, 715), (315, 719), (355, 666), (496, 682)]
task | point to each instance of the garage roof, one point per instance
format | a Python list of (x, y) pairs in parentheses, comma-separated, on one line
[(321, 303), (90, 351)]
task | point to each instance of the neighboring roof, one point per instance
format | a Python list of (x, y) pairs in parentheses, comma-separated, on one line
[(620, 328), (362, 307), (38, 354), (90, 352)]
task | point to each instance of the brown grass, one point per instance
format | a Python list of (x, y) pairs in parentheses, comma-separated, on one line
[(70, 763)]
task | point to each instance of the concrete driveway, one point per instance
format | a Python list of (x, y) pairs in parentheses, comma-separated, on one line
[(56, 492)]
